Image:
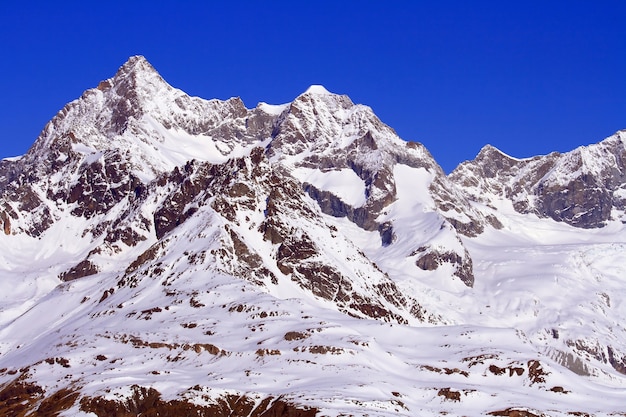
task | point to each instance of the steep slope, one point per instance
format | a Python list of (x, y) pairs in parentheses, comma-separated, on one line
[(168, 254), (353, 165), (104, 146)]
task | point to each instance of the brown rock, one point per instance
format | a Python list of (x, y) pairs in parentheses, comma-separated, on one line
[(83, 269)]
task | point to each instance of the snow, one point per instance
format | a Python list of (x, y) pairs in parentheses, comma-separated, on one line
[(12, 158), (513, 158), (412, 189), (343, 183), (523, 290), (178, 146), (273, 109), (534, 279), (317, 89)]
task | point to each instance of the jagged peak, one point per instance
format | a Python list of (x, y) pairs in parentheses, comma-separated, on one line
[(136, 64), (487, 156), (135, 73), (319, 94), (490, 151), (487, 150)]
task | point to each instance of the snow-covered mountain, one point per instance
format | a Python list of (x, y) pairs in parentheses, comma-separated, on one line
[(168, 255), (585, 187)]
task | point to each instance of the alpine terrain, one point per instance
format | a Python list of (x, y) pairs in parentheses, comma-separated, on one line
[(166, 255)]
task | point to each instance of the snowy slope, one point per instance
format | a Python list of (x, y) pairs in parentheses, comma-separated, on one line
[(168, 254)]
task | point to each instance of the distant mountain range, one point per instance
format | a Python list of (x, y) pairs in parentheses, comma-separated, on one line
[(168, 255)]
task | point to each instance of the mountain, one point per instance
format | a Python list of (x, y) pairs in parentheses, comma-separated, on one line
[(168, 255), (584, 188)]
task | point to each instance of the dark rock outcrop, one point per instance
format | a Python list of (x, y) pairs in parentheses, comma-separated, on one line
[(20, 398)]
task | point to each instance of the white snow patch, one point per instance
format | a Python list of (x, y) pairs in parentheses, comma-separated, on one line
[(273, 109), (13, 158), (317, 89), (412, 189), (344, 183)]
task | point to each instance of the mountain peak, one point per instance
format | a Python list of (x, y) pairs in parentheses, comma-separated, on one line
[(489, 152), (136, 73), (317, 89), (136, 64)]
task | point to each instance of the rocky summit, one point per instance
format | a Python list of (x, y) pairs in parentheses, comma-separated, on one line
[(169, 255)]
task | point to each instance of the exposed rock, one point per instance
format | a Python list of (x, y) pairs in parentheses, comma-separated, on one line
[(148, 401), (295, 336), (515, 412), (149, 255), (20, 197), (619, 364), (510, 370), (536, 373), (19, 398), (100, 186), (127, 235), (449, 394), (6, 223), (83, 269), (430, 259)]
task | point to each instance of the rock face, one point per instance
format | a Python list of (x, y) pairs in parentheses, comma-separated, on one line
[(584, 188), (165, 254)]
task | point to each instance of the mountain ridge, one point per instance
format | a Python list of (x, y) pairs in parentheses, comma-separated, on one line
[(583, 187), (164, 251)]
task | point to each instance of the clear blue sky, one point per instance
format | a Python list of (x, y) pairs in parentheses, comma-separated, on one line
[(528, 77)]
